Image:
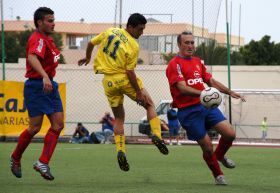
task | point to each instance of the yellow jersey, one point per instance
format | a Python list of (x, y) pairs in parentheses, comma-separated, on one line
[(118, 51)]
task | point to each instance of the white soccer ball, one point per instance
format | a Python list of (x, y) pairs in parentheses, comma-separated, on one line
[(210, 97)]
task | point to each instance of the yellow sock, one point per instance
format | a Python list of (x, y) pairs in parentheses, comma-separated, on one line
[(155, 126), (120, 143)]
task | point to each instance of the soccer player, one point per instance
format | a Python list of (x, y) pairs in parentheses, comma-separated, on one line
[(117, 58), (186, 76), (41, 94)]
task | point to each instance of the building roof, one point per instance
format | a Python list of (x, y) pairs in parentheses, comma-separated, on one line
[(84, 29)]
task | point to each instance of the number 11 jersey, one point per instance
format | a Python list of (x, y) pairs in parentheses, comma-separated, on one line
[(118, 51)]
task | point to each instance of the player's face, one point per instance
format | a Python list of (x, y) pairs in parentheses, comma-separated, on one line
[(47, 24), (186, 46), (137, 31)]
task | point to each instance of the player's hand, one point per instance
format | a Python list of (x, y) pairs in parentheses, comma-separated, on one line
[(83, 61), (47, 85), (237, 96), (141, 99)]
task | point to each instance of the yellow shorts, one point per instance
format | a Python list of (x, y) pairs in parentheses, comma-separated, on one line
[(116, 86)]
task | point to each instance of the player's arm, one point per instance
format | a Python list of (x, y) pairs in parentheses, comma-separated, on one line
[(222, 88), (86, 60), (36, 65), (187, 90)]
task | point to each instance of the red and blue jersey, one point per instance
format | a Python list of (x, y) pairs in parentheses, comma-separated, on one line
[(193, 72), (46, 51)]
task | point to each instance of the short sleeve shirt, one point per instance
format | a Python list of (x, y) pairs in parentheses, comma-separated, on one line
[(193, 72), (46, 51), (118, 51)]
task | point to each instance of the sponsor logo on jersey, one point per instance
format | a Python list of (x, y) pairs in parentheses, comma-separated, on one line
[(195, 81), (40, 46)]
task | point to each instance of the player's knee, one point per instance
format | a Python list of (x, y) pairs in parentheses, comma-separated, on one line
[(58, 127), (33, 130), (208, 151), (230, 136)]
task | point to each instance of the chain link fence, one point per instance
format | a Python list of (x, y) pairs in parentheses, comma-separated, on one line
[(78, 22)]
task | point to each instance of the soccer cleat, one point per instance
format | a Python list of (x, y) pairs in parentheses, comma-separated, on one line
[(43, 169), (15, 167), (122, 161), (220, 180), (160, 145), (228, 163)]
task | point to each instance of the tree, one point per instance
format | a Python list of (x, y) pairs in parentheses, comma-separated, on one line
[(15, 45), (212, 54), (261, 52)]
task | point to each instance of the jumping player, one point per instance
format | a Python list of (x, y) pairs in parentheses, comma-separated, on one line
[(117, 58), (186, 75), (41, 94)]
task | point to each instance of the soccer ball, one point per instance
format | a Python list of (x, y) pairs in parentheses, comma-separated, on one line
[(210, 97)]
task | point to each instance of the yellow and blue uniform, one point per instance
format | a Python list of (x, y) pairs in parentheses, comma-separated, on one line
[(118, 51)]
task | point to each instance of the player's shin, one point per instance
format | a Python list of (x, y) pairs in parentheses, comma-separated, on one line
[(213, 164), (222, 148), (120, 142), (155, 127), (50, 142), (23, 141)]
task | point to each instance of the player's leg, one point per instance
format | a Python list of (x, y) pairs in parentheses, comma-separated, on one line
[(225, 142), (154, 124), (119, 136), (50, 141), (193, 121), (24, 140), (151, 116), (209, 156), (113, 87)]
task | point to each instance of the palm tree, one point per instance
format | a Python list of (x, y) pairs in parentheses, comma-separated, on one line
[(212, 54)]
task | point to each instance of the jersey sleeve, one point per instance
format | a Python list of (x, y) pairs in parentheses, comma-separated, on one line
[(174, 73), (205, 74), (97, 39), (37, 46)]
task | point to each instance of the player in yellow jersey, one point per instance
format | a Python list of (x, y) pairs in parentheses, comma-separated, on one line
[(117, 58)]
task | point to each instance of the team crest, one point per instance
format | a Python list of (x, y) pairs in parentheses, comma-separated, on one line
[(196, 74), (110, 84)]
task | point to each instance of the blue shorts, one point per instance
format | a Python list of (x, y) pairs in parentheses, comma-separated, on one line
[(197, 119), (39, 103), (173, 128)]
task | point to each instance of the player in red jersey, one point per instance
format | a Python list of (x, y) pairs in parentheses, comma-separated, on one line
[(41, 94), (186, 75)]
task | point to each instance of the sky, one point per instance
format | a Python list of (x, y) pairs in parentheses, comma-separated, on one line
[(258, 17)]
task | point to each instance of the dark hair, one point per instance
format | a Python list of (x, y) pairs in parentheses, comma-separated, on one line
[(79, 124), (183, 33), (40, 13), (136, 19)]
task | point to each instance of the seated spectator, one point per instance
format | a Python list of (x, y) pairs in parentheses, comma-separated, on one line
[(81, 134), (96, 138), (107, 126)]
